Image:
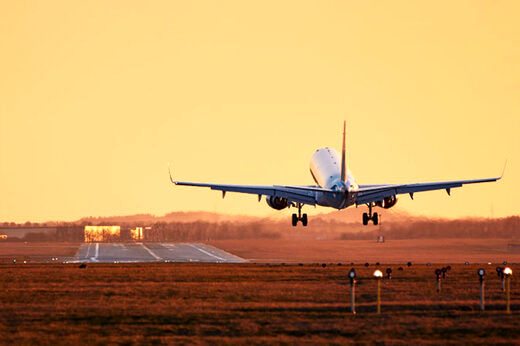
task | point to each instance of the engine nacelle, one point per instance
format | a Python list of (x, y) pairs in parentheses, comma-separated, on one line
[(389, 202), (277, 203)]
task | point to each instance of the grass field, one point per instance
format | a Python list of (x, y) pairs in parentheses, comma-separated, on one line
[(248, 303)]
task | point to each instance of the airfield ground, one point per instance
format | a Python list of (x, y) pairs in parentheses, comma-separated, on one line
[(248, 303)]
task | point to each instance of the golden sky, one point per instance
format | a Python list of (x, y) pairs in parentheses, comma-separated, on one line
[(96, 97)]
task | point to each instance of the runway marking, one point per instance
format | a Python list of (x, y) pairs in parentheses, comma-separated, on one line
[(96, 254), (88, 250), (207, 253), (151, 252)]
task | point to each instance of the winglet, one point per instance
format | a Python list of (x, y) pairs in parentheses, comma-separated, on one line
[(170, 173), (343, 165), (503, 170)]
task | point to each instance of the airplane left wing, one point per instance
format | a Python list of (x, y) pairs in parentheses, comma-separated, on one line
[(374, 193)]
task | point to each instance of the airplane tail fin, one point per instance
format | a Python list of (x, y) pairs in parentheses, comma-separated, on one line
[(343, 164)]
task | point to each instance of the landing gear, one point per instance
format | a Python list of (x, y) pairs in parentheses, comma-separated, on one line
[(370, 217), (300, 217)]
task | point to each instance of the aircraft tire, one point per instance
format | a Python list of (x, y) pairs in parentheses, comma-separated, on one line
[(304, 220), (375, 219), (365, 219), (294, 219)]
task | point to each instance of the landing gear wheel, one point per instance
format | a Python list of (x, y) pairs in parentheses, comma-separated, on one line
[(294, 219), (304, 220), (365, 219), (375, 219)]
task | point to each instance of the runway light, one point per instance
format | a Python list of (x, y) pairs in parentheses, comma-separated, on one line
[(481, 272), (508, 272), (444, 270), (352, 277), (378, 275), (366, 264), (377, 263), (409, 264)]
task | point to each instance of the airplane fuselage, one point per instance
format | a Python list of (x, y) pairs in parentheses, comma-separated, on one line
[(325, 168)]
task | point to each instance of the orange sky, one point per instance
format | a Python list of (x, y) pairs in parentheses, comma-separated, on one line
[(97, 97)]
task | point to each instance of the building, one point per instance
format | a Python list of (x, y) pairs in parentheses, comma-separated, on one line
[(100, 234)]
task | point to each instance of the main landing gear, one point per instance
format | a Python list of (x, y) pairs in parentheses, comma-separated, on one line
[(299, 217), (373, 217)]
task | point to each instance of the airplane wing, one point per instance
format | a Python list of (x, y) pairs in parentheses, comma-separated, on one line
[(297, 194), (374, 193)]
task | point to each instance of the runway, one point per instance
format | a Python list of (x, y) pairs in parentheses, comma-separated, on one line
[(152, 252)]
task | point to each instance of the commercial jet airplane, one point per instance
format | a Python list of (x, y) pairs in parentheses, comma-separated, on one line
[(335, 187)]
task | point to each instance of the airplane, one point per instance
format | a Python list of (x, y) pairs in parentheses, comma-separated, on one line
[(335, 187)]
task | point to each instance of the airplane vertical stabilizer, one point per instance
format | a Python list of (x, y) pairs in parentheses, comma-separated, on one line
[(343, 164)]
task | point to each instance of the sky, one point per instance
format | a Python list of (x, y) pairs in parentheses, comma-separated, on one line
[(97, 97)]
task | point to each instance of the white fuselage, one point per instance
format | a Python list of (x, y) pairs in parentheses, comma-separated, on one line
[(326, 170)]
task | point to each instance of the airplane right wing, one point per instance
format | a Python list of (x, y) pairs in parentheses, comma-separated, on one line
[(297, 194)]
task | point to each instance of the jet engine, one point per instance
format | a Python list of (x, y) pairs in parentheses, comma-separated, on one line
[(277, 203), (389, 202)]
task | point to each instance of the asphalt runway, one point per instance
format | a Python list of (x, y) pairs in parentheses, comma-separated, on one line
[(153, 252)]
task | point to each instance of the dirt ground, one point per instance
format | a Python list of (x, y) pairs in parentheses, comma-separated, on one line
[(249, 303)]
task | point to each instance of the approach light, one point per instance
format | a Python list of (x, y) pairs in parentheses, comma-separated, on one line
[(352, 273), (378, 275), (508, 272), (481, 272), (352, 276)]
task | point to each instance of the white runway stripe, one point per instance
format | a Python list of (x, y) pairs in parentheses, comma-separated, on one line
[(151, 252), (207, 253)]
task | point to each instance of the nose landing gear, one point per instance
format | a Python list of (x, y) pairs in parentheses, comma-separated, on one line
[(300, 217), (370, 217)]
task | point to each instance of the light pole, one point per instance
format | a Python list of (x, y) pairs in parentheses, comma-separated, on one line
[(438, 273), (352, 276), (500, 273), (378, 275), (481, 272), (508, 272)]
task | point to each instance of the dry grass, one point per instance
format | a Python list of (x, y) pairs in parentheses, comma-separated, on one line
[(246, 303)]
